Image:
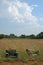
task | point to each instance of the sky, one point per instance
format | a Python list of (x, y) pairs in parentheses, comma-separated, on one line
[(21, 16)]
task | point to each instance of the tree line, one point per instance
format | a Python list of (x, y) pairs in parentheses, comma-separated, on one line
[(32, 36)]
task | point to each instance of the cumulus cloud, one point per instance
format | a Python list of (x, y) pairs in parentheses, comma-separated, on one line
[(35, 5), (20, 11), (21, 14)]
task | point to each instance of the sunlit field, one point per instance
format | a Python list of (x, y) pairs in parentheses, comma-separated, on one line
[(21, 45)]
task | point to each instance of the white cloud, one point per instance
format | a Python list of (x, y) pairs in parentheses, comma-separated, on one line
[(21, 12), (17, 11), (35, 5)]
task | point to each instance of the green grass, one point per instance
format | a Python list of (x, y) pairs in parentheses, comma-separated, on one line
[(21, 45), (34, 64), (22, 55)]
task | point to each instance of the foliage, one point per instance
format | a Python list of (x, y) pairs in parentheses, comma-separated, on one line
[(40, 35), (32, 36)]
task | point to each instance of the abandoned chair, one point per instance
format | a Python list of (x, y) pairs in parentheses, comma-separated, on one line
[(11, 53), (35, 52), (28, 51)]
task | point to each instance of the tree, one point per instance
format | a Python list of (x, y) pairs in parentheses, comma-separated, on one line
[(22, 36), (1, 36), (40, 35), (32, 36), (6, 36), (12, 36)]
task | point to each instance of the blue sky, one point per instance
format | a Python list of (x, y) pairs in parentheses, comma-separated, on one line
[(21, 16)]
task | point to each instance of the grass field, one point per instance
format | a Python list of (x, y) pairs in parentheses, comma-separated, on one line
[(21, 45)]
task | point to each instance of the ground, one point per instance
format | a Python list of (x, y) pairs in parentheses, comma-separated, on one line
[(21, 45), (22, 63)]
